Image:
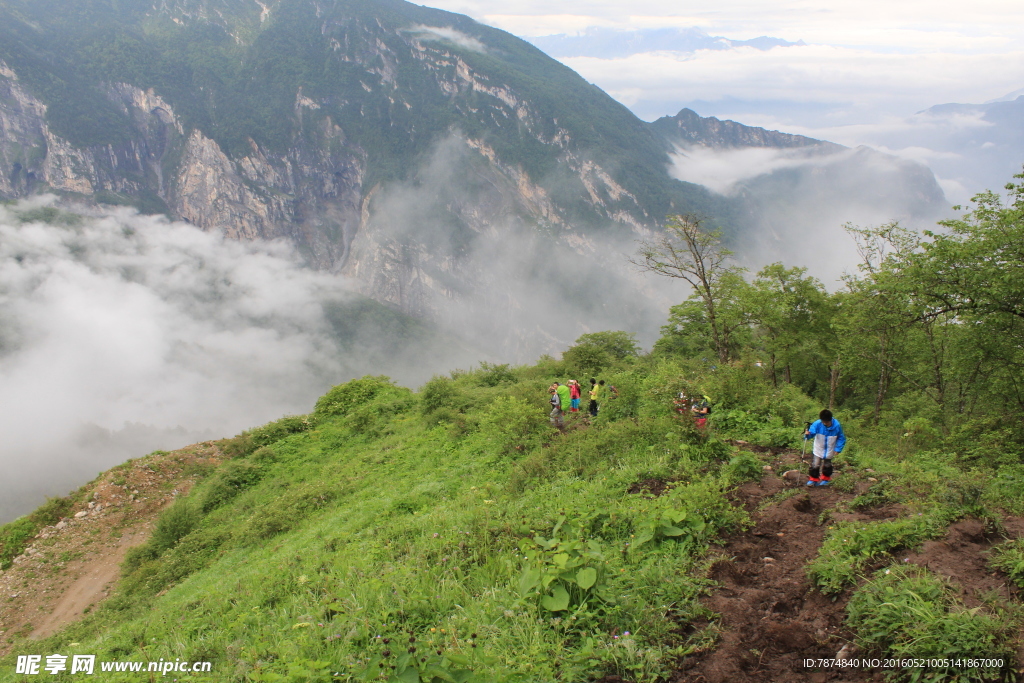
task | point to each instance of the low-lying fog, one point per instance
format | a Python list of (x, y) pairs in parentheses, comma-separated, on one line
[(796, 201), (121, 334)]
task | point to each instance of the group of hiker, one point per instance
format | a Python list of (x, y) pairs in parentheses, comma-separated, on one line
[(699, 407), (565, 398), (826, 433)]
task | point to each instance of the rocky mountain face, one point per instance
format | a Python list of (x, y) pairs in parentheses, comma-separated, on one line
[(794, 194), (689, 128), (445, 167)]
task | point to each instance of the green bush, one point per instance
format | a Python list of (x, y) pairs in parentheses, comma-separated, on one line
[(354, 394), (850, 546), (906, 612), (1008, 557), (175, 522), (744, 467), (513, 426), (492, 374), (231, 479), (13, 539), (16, 535), (440, 398), (251, 440)]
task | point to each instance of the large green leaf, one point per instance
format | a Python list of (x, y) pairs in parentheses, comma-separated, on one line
[(557, 601), (528, 580), (643, 537), (586, 577), (436, 672), (410, 675)]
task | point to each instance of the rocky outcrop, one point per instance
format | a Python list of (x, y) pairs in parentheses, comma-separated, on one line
[(689, 128)]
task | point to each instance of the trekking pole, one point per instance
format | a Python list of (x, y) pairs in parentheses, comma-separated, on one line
[(803, 454)]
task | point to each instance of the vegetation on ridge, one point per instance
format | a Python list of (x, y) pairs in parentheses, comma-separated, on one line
[(454, 534)]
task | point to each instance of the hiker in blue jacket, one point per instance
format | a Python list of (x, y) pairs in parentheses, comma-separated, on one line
[(829, 441)]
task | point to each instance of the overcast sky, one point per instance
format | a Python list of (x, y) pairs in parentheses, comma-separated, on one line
[(866, 62)]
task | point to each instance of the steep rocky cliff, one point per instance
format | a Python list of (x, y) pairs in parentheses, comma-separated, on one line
[(688, 127), (446, 167)]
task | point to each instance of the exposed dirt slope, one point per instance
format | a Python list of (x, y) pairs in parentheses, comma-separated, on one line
[(70, 567), (772, 618)]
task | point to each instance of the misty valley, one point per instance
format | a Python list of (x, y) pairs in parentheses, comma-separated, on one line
[(290, 294)]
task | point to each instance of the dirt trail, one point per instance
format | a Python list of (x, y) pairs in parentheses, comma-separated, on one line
[(772, 618), (94, 584), (72, 566)]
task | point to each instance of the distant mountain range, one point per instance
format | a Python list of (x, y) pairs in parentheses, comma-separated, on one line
[(446, 168), (610, 43), (970, 147)]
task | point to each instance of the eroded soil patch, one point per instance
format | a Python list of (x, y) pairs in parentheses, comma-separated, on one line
[(71, 566)]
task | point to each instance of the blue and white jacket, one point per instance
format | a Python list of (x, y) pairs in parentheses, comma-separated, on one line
[(828, 441)]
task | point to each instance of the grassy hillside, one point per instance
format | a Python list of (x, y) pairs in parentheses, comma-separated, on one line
[(453, 534)]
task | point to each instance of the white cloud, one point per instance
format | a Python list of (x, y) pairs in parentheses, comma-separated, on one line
[(122, 333), (449, 35), (820, 74), (720, 170)]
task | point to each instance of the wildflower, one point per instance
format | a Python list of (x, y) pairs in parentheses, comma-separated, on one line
[(436, 535)]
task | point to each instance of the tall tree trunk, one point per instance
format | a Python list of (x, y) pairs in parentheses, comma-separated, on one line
[(884, 378), (833, 382)]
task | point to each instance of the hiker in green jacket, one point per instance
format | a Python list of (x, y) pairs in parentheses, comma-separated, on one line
[(564, 397)]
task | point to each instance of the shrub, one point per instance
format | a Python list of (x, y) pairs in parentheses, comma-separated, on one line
[(492, 374), (512, 426), (230, 480), (440, 398), (906, 612), (17, 534), (249, 441), (586, 359), (852, 545), (175, 522), (743, 467), (619, 345), (344, 398)]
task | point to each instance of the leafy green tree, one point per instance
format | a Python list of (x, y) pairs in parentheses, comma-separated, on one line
[(793, 315), (687, 251), (619, 345), (972, 277), (877, 309)]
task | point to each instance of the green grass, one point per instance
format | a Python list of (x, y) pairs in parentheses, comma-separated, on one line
[(851, 547), (1008, 557), (908, 613), (458, 517), (372, 518)]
